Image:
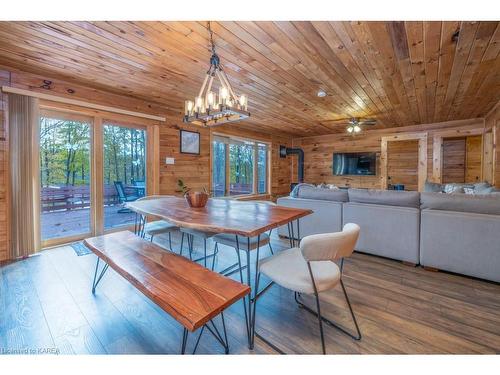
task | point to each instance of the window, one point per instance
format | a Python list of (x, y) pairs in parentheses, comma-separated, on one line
[(65, 194), (124, 172), (239, 167)]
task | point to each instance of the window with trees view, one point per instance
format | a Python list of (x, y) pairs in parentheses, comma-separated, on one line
[(67, 158), (239, 167), (64, 177)]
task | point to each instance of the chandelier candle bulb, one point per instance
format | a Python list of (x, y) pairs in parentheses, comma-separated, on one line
[(243, 102), (210, 100), (223, 95), (188, 107), (199, 104)]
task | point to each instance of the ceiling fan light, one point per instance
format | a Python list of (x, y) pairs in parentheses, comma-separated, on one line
[(321, 93), (350, 129), (356, 129)]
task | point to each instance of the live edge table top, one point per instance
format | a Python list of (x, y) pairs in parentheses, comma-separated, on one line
[(244, 218)]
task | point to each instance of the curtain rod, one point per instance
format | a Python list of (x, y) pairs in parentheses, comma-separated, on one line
[(81, 103)]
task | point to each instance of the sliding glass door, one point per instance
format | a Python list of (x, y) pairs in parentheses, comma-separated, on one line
[(89, 169), (65, 177), (124, 172)]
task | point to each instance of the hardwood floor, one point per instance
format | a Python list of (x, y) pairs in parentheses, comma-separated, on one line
[(45, 302)]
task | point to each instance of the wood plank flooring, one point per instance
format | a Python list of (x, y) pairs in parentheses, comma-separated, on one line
[(46, 303)]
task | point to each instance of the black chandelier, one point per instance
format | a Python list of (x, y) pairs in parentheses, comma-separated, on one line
[(209, 108)]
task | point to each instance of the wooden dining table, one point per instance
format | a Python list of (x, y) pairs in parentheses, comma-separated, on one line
[(241, 218)]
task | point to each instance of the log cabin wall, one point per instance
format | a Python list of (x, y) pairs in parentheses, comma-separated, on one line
[(318, 150)]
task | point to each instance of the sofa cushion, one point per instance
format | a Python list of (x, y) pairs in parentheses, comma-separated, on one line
[(385, 197), (482, 204), (312, 192)]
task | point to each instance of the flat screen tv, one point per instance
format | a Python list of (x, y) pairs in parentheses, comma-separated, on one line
[(354, 163)]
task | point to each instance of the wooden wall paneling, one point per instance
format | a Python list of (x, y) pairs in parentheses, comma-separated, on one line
[(80, 103), (383, 163), (492, 121), (402, 163), (153, 160), (488, 157), (422, 156), (473, 160), (437, 159), (438, 135), (453, 152), (319, 149), (4, 170)]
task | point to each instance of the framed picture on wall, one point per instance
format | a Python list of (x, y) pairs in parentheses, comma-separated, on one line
[(190, 142)]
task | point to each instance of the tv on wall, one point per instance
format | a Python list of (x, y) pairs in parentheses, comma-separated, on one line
[(354, 163)]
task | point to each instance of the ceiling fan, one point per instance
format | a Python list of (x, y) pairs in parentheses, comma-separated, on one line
[(355, 124)]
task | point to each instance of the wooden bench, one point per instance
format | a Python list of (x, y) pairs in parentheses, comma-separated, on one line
[(190, 293)]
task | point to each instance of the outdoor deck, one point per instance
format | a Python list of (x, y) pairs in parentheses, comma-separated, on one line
[(66, 223)]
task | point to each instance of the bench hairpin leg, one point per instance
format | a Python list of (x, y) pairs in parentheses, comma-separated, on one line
[(198, 339), (98, 279), (184, 340), (221, 338)]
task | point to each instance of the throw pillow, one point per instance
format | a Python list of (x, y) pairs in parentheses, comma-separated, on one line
[(433, 187), (453, 188), (468, 190)]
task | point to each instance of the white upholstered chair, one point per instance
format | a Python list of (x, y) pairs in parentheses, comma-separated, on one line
[(312, 269), (156, 227)]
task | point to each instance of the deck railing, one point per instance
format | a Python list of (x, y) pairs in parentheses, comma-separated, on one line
[(58, 198)]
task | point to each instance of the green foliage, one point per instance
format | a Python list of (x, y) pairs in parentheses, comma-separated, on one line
[(65, 153), (182, 188)]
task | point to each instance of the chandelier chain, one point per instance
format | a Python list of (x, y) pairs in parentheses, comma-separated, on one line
[(211, 36)]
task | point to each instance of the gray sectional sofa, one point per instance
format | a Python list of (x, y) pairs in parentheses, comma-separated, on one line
[(457, 233)]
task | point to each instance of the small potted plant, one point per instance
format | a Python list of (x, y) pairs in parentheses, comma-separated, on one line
[(195, 199)]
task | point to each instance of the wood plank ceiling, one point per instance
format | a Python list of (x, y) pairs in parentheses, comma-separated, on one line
[(401, 73)]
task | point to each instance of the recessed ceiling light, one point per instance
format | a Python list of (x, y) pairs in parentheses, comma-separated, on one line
[(321, 93)]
